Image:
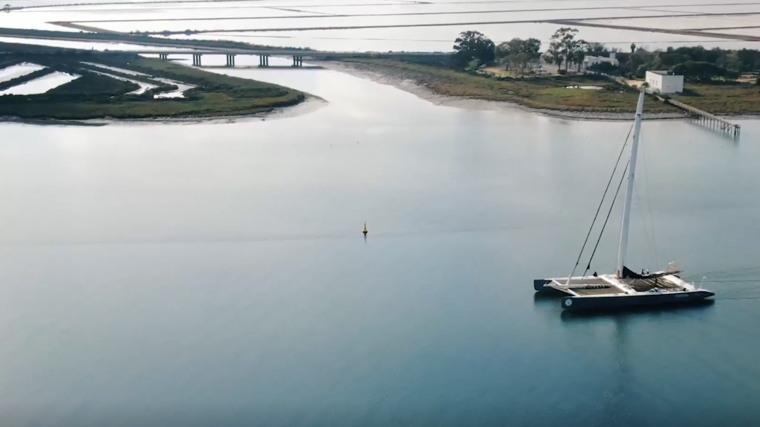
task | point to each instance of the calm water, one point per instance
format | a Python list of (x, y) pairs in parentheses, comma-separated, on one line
[(283, 15), (40, 84), (215, 274)]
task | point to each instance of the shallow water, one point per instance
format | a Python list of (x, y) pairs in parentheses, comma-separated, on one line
[(40, 84), (215, 274), (179, 93), (119, 70), (463, 15), (18, 70)]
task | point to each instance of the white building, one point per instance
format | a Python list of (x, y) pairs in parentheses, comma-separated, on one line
[(662, 82), (593, 60)]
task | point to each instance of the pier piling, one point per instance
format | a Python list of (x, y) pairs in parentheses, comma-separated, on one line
[(709, 120)]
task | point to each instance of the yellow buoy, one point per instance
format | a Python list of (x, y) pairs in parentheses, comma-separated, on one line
[(365, 228)]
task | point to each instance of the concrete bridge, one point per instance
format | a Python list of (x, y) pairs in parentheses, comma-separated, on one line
[(231, 54), (264, 54)]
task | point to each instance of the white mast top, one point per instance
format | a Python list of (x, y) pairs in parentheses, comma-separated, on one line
[(623, 248)]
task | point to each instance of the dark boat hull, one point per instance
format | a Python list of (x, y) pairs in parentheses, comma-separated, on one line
[(538, 285), (573, 303)]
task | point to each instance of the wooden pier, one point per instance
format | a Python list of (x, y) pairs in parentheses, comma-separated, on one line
[(708, 119)]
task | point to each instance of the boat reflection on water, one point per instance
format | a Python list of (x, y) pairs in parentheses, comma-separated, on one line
[(617, 365)]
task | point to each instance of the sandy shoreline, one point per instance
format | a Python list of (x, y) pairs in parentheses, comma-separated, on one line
[(422, 92)]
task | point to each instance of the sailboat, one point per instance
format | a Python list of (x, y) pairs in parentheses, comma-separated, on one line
[(624, 288)]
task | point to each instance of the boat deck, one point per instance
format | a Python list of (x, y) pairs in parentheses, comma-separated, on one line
[(645, 285), (598, 290), (610, 285)]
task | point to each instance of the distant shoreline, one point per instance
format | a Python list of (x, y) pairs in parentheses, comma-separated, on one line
[(387, 76), (429, 76)]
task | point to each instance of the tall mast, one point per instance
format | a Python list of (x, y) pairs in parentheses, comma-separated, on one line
[(623, 248)]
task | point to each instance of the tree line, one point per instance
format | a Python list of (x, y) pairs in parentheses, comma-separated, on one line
[(473, 49), (695, 63)]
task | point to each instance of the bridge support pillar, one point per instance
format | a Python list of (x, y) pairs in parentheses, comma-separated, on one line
[(163, 56), (197, 59), (231, 60), (297, 61), (263, 60)]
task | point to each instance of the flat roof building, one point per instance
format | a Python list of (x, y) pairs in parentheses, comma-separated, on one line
[(664, 82)]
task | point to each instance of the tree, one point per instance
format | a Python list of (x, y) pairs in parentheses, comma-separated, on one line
[(531, 47), (563, 46), (507, 62), (505, 49), (518, 53), (699, 71), (633, 47), (578, 52), (473, 45), (521, 63), (604, 67), (555, 54), (597, 49)]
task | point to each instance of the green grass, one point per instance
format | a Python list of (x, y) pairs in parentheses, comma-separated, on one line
[(539, 92), (95, 84), (722, 98), (94, 96), (207, 106)]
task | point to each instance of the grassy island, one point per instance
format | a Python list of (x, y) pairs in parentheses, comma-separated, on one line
[(135, 88)]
